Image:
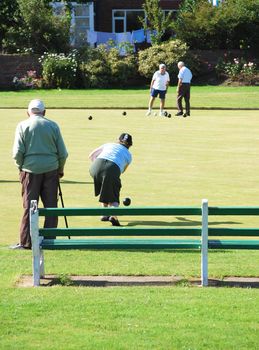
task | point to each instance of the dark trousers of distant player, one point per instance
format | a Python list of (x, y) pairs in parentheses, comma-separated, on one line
[(184, 92), (35, 186)]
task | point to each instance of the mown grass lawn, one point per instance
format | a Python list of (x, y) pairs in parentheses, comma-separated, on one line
[(201, 97), (177, 161)]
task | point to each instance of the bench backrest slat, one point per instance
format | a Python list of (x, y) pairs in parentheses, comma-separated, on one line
[(248, 232), (163, 211), (123, 231), (228, 211), (234, 244)]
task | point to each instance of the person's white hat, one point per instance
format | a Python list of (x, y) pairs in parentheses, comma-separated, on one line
[(36, 107)]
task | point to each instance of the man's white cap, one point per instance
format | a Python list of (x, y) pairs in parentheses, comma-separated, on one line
[(36, 107), (162, 65)]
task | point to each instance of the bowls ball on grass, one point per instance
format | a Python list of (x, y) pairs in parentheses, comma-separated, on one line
[(90, 117), (124, 113), (126, 201)]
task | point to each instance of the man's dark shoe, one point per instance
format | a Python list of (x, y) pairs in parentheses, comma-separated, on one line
[(114, 221), (105, 218), (178, 114)]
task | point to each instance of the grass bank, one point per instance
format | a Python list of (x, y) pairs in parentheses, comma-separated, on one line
[(201, 97)]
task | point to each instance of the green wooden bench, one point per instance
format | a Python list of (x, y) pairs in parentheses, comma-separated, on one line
[(129, 237)]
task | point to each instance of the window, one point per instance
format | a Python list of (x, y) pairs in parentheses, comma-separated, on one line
[(126, 20), (82, 19)]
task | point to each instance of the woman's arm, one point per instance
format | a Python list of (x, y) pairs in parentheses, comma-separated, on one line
[(95, 153)]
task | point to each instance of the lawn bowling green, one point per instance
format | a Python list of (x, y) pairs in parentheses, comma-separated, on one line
[(176, 161)]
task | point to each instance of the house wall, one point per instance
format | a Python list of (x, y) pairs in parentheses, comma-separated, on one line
[(103, 10)]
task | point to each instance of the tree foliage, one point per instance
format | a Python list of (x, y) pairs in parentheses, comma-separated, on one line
[(156, 20), (35, 27), (233, 24), (9, 17)]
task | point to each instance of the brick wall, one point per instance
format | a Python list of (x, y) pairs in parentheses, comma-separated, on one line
[(16, 65)]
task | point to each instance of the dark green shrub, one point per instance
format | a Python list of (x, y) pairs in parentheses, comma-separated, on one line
[(123, 69), (106, 68), (96, 74), (94, 69)]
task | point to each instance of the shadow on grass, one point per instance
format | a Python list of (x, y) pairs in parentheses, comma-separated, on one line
[(183, 222), (71, 182), (9, 181), (62, 182)]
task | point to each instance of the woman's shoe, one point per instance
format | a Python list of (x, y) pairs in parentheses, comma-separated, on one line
[(115, 222)]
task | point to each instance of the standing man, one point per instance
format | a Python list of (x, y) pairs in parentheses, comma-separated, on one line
[(183, 89), (40, 155), (158, 86)]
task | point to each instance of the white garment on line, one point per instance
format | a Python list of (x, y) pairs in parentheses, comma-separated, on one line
[(91, 36)]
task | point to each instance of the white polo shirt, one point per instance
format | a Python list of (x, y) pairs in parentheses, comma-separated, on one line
[(116, 153), (160, 80), (185, 74)]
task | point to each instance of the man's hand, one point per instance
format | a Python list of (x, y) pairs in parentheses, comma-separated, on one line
[(61, 175)]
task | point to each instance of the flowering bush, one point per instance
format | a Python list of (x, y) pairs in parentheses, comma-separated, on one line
[(59, 70), (238, 70), (25, 51), (28, 81)]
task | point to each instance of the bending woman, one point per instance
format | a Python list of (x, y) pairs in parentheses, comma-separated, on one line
[(109, 162)]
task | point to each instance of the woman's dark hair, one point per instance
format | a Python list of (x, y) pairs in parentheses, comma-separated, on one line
[(126, 139)]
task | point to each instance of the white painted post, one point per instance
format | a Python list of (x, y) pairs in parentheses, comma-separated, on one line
[(34, 232), (42, 269), (204, 244)]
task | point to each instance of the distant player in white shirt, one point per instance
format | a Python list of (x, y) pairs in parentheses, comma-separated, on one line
[(183, 89), (159, 84)]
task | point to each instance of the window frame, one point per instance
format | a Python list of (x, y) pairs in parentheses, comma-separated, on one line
[(124, 18)]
